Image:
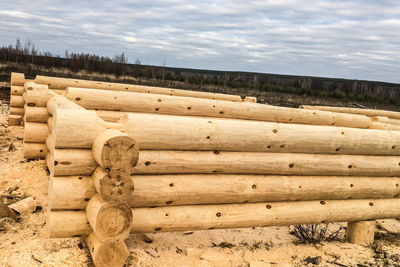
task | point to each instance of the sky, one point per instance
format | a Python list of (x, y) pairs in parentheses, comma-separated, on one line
[(355, 39)]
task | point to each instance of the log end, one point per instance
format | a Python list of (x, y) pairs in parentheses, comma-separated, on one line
[(107, 253), (116, 186)]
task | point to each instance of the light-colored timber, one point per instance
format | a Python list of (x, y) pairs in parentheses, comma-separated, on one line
[(50, 123), (16, 110), (36, 114), (107, 253), (60, 102), (361, 232), (70, 191), (359, 111), (194, 189), (35, 150), (17, 90), (63, 83), (161, 104), (67, 223), (17, 79), (81, 162), (113, 149), (113, 185), (79, 128), (203, 217), (17, 101), (35, 132), (14, 120), (63, 162), (109, 219)]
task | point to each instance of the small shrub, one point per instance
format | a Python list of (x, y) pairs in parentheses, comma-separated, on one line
[(315, 233)]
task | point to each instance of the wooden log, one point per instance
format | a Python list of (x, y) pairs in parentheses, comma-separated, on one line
[(17, 101), (83, 126), (114, 185), (36, 114), (35, 132), (16, 111), (67, 223), (81, 162), (50, 123), (69, 192), (194, 189), (35, 150), (108, 253), (71, 162), (151, 103), (60, 102), (76, 128), (17, 90), (251, 99), (361, 232), (63, 83), (113, 149), (359, 111), (109, 219), (17, 79), (14, 120), (203, 217), (386, 120)]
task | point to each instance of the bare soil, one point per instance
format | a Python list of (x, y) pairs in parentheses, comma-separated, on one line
[(24, 242)]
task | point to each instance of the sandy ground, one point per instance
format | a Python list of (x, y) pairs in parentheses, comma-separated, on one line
[(23, 241)]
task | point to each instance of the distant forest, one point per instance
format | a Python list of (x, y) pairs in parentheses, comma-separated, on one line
[(325, 88)]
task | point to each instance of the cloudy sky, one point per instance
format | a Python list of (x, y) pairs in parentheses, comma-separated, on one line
[(356, 39)]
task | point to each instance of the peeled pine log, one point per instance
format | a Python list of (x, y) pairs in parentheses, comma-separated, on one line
[(17, 90), (113, 149), (109, 219), (194, 189), (361, 233), (36, 114), (114, 185), (360, 111), (35, 132), (203, 217), (386, 120), (35, 150), (17, 79), (60, 102), (71, 162), (50, 123), (81, 162), (151, 103), (70, 191), (67, 223), (79, 128), (16, 111), (14, 120), (108, 253), (17, 101), (63, 83)]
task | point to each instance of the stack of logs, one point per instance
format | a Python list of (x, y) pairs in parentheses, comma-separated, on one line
[(125, 162)]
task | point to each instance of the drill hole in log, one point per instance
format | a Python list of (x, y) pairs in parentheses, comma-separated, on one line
[(270, 147), (393, 147), (29, 88), (159, 100), (86, 199), (31, 104), (274, 130), (350, 166), (337, 149), (147, 163), (208, 137), (254, 186), (216, 152), (41, 150), (158, 229), (351, 185), (218, 214), (282, 146), (268, 206), (322, 202), (221, 112), (171, 185), (342, 132), (397, 185), (157, 109), (189, 108), (55, 163), (166, 214), (291, 165), (168, 202), (371, 204), (78, 99)]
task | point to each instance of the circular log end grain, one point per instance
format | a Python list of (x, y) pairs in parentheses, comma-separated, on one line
[(117, 186), (120, 152), (114, 220), (110, 253)]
